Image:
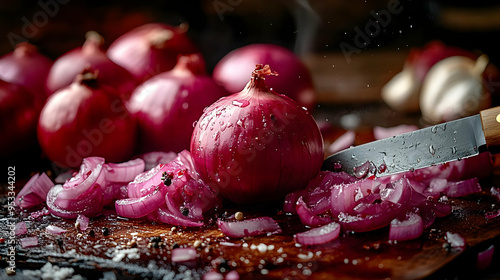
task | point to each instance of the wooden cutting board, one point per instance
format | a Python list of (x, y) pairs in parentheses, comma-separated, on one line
[(353, 256)]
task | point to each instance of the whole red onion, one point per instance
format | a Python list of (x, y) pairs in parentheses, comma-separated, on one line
[(151, 49), (167, 105), (257, 145), (90, 55), (295, 78), (27, 67), (86, 119), (19, 110)]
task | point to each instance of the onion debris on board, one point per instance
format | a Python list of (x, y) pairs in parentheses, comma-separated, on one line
[(256, 145)]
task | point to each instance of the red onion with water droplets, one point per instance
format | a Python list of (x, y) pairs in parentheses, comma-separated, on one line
[(90, 56), (294, 81), (27, 67), (86, 119), (167, 105), (19, 111), (151, 49), (257, 145)]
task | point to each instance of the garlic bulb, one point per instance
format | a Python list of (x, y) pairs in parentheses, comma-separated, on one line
[(401, 93), (454, 88)]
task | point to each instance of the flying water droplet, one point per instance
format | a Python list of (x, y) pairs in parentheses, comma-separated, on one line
[(240, 103), (453, 150), (432, 150)]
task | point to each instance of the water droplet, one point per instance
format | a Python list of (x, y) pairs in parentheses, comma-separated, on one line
[(240, 103), (432, 150), (453, 150), (194, 123), (239, 122)]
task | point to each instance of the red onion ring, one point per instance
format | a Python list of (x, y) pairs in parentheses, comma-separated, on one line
[(142, 206), (411, 227), (89, 174), (250, 227), (124, 172), (319, 235)]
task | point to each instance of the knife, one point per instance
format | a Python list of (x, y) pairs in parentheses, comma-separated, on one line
[(440, 143)]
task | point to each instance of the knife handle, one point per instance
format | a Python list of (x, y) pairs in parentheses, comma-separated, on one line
[(490, 118)]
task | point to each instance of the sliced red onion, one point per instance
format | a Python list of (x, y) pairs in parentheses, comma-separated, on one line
[(145, 181), (184, 255), (89, 174), (39, 213), (65, 176), (142, 206), (232, 275), (410, 228), (27, 242), (485, 257), (455, 240), (55, 229), (319, 235), (250, 227), (124, 172), (463, 188), (89, 206), (307, 217), (213, 275), (165, 216), (20, 228), (344, 141), (82, 221), (492, 214), (34, 191), (362, 222), (152, 159)]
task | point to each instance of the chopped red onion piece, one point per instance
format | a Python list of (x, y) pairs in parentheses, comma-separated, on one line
[(152, 159), (492, 214), (27, 242), (91, 205), (485, 257), (455, 240), (124, 172), (410, 228), (343, 142), (20, 228), (495, 192), (146, 181), (213, 275), (34, 191), (55, 229), (232, 275), (184, 254), (307, 217), (39, 213), (82, 222), (90, 173), (363, 222), (319, 235), (142, 206), (165, 216), (463, 188), (250, 227)]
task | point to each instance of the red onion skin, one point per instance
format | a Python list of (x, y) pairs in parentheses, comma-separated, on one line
[(167, 105), (81, 121), (256, 145), (90, 56), (19, 111), (294, 78), (26, 67), (151, 49)]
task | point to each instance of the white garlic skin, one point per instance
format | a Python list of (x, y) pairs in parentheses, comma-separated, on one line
[(454, 88), (402, 92)]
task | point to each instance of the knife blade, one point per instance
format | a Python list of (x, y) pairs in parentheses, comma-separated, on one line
[(440, 143)]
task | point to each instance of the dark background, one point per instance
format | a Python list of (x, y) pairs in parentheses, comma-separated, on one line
[(219, 26)]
